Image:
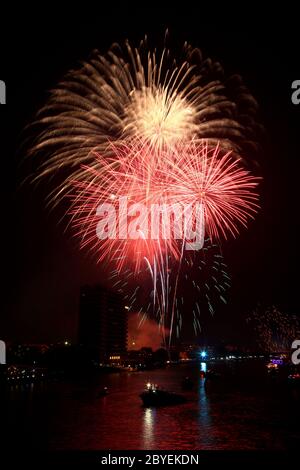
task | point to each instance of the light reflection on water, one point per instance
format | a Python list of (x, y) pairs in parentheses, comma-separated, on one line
[(245, 414), (204, 417), (149, 423)]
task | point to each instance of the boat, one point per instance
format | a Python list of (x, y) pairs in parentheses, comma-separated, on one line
[(155, 396)]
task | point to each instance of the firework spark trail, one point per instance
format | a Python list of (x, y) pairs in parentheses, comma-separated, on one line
[(204, 268), (175, 295), (133, 93)]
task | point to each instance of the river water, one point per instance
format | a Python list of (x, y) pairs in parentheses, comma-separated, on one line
[(249, 412)]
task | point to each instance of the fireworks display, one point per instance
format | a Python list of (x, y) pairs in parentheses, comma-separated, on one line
[(135, 93), (274, 330), (138, 124)]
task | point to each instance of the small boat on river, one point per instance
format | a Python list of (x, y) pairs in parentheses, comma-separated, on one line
[(155, 396)]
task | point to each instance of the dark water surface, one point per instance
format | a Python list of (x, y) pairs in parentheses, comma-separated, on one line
[(251, 411)]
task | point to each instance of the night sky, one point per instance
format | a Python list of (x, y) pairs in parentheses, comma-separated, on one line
[(42, 268)]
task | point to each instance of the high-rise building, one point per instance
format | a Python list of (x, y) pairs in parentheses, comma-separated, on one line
[(103, 323)]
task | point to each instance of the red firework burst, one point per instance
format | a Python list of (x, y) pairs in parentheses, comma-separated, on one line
[(178, 177)]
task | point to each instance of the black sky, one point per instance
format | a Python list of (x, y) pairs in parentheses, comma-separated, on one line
[(42, 269)]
